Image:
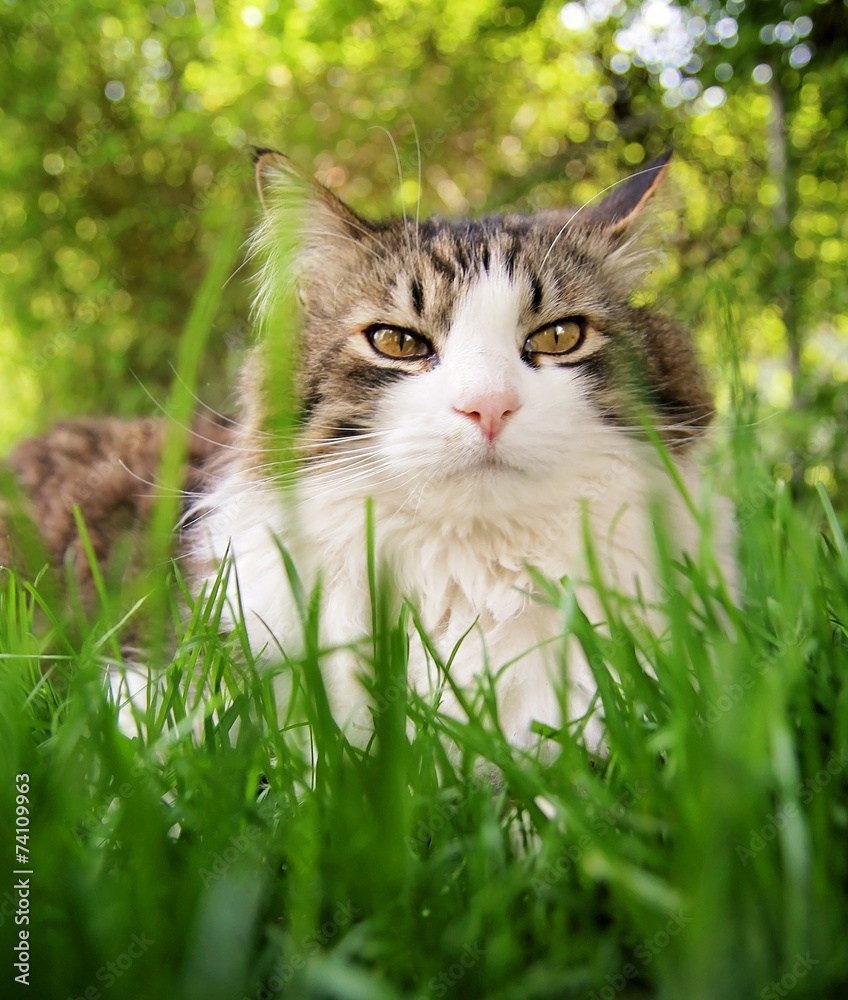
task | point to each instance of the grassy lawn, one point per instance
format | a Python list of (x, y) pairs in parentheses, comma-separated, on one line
[(225, 852), (200, 845)]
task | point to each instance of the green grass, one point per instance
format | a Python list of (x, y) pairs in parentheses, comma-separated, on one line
[(227, 852), (230, 853)]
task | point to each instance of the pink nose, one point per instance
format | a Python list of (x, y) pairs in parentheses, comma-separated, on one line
[(490, 411)]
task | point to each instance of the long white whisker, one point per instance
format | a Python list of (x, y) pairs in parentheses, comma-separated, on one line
[(349, 239), (586, 205), (190, 430), (320, 469), (418, 199), (366, 473), (362, 229), (400, 183), (356, 468), (227, 420), (357, 436), (245, 247), (173, 492)]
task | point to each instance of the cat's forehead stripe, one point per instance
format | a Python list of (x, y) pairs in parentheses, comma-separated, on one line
[(536, 286), (443, 266), (417, 293), (510, 255), (461, 254)]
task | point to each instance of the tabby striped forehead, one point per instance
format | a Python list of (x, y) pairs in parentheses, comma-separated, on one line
[(452, 257)]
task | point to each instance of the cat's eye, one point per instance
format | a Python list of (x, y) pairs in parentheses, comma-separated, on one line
[(557, 338), (395, 342)]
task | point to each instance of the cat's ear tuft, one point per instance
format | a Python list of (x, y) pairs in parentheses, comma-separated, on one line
[(257, 152), (305, 231), (620, 209), (284, 186), (277, 175)]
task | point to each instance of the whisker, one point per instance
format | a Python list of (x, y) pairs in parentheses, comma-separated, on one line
[(322, 473), (368, 470), (245, 247), (367, 232), (329, 234), (225, 418), (586, 204), (173, 492), (196, 514), (357, 436), (418, 199), (190, 430), (400, 184)]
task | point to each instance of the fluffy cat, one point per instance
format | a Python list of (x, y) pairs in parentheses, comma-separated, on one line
[(481, 381)]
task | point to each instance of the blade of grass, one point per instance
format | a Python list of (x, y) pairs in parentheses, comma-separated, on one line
[(181, 405)]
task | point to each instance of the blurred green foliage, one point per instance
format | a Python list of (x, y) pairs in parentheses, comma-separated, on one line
[(126, 130)]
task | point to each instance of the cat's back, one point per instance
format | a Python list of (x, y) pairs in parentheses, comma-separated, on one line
[(105, 466)]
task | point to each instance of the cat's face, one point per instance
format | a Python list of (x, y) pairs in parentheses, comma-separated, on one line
[(481, 355)]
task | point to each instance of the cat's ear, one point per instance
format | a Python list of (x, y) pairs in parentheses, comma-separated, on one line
[(305, 228), (622, 207), (285, 188)]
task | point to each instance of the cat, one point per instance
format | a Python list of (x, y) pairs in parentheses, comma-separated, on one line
[(481, 381)]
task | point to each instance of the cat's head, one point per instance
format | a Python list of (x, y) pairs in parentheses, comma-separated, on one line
[(477, 349)]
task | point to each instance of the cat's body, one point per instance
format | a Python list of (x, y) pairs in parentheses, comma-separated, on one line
[(423, 391), (483, 383), (107, 468), (464, 573)]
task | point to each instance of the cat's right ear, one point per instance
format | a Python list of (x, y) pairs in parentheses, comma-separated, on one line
[(306, 233)]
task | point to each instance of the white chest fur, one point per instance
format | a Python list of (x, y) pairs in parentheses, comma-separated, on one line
[(466, 571)]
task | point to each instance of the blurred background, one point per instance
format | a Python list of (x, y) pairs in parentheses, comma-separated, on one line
[(126, 130)]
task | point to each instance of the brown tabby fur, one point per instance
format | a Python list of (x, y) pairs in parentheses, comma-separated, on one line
[(108, 468)]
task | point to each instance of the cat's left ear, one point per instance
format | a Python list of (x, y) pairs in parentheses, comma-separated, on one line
[(620, 209)]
